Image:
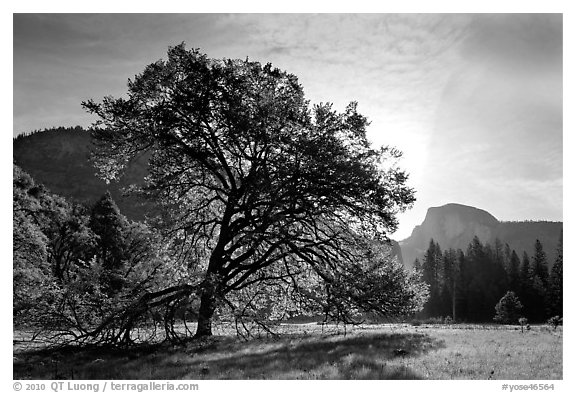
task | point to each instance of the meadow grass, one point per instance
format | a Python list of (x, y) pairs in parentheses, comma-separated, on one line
[(309, 352)]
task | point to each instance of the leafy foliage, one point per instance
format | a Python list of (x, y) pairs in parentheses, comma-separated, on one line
[(31, 273), (63, 278), (508, 308)]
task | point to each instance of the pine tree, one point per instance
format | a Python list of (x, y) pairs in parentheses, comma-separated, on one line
[(461, 282), (514, 272), (555, 287), (508, 257), (539, 263), (431, 273), (526, 286), (451, 273), (476, 303), (483, 281), (502, 260), (525, 274), (539, 300), (417, 265), (110, 226), (499, 252), (538, 285), (107, 222)]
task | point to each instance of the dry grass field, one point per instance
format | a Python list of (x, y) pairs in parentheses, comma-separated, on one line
[(310, 352)]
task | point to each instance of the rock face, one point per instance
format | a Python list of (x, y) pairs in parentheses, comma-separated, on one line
[(454, 226)]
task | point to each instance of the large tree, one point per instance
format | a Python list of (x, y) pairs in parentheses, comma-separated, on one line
[(255, 185)]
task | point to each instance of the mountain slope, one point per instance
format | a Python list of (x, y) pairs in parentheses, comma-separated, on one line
[(454, 226)]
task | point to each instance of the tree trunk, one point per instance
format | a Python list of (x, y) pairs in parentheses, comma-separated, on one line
[(207, 308)]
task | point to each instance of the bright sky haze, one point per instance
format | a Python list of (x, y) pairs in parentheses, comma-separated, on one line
[(474, 101)]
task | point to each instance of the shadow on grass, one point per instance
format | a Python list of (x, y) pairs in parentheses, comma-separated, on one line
[(374, 356), (369, 356)]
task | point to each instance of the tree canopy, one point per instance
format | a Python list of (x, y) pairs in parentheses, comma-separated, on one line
[(255, 185)]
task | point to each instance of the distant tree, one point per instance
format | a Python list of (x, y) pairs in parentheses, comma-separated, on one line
[(500, 258), (483, 281), (540, 263), (555, 287), (474, 281), (525, 274), (533, 284), (507, 257), (251, 180), (526, 292), (417, 265), (499, 251), (461, 286), (432, 275), (508, 308), (525, 271), (538, 308), (514, 272), (451, 274)]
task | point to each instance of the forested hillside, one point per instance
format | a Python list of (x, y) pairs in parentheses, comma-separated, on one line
[(59, 158)]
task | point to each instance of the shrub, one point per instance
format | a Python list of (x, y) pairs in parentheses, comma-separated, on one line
[(523, 321)]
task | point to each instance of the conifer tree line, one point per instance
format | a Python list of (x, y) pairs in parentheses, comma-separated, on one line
[(47, 133), (467, 285)]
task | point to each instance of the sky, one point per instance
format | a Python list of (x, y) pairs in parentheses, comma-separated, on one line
[(474, 101)]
